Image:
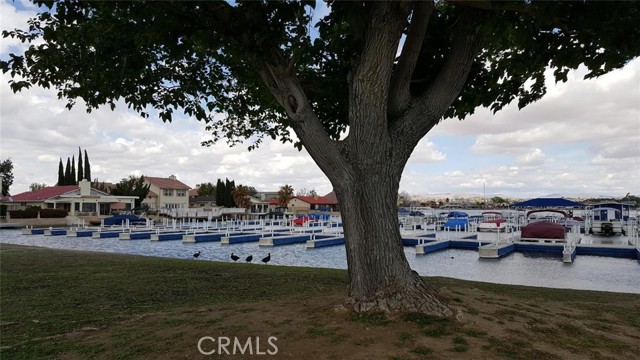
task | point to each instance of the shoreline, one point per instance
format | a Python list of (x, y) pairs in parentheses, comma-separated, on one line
[(299, 266)]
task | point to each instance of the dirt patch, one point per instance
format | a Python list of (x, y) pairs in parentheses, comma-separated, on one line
[(485, 326)]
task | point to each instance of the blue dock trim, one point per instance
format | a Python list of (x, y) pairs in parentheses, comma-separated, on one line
[(240, 238), (316, 230), (167, 236), (207, 237), (55, 232), (330, 241), (413, 241), (143, 235), (432, 246), (533, 247), (491, 251), (460, 244), (31, 231), (611, 251), (284, 240), (81, 233), (106, 234)]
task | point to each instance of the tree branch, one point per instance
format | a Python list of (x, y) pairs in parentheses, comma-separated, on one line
[(287, 90), (399, 94), (519, 7), (429, 108)]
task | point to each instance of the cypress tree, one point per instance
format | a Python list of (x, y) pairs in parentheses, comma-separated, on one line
[(67, 173), (80, 169), (220, 191), (60, 174), (230, 188), (73, 171), (87, 167)]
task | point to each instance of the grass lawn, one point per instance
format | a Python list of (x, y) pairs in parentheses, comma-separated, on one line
[(79, 305)]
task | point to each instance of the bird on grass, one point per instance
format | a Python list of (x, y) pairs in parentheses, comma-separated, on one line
[(195, 256), (266, 258), (234, 257), (249, 258)]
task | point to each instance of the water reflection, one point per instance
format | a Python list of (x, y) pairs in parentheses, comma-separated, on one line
[(535, 269)]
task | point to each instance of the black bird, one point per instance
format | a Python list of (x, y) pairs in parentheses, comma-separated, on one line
[(234, 257), (249, 258), (266, 258), (195, 256)]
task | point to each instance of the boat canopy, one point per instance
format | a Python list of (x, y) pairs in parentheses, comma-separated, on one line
[(548, 202), (458, 214)]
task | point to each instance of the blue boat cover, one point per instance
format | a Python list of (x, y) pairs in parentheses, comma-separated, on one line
[(458, 214), (548, 202), (121, 219)]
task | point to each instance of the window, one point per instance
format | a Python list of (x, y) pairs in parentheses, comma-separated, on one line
[(168, 192), (181, 192)]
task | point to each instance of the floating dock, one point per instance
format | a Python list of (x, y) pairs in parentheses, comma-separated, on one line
[(328, 241), (434, 245), (81, 232), (171, 235), (55, 232), (495, 251), (285, 239), (32, 231), (206, 237)]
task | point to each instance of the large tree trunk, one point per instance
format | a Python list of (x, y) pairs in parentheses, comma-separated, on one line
[(380, 278), (365, 167)]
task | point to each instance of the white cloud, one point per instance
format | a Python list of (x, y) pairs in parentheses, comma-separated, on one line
[(426, 152), (532, 158)]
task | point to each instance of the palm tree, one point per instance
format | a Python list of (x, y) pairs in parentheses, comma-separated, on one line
[(241, 196)]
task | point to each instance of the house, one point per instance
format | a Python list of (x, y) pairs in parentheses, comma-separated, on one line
[(328, 202), (264, 201), (76, 199), (204, 201), (166, 193)]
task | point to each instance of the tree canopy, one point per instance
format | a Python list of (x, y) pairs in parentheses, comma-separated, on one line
[(198, 57), (6, 175), (132, 186)]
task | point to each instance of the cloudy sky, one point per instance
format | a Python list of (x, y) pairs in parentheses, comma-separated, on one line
[(581, 139)]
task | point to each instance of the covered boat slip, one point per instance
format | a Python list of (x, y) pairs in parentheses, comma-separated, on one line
[(610, 218)]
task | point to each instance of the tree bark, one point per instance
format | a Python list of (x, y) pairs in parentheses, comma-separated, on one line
[(380, 278)]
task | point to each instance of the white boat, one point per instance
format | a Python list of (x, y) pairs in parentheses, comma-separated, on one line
[(492, 221), (608, 218)]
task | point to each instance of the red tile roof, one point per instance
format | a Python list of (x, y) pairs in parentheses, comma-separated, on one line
[(44, 194), (332, 196), (166, 183)]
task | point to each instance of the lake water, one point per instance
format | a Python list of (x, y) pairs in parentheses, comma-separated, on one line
[(587, 272)]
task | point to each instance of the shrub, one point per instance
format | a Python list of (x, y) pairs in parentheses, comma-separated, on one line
[(44, 213), (23, 214), (53, 213), (3, 210)]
